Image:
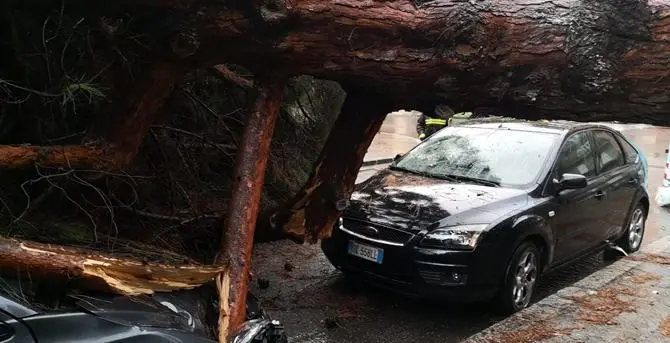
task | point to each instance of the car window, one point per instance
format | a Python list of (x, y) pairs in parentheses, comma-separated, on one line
[(630, 154), (509, 157), (576, 157), (608, 150)]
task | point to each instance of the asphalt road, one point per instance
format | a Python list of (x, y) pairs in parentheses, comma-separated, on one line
[(317, 304)]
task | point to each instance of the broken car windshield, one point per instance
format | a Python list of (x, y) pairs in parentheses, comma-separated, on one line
[(483, 155)]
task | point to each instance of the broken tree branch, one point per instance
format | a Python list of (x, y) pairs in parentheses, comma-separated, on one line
[(225, 73), (72, 156), (313, 212), (122, 136), (136, 106), (236, 247), (96, 271)]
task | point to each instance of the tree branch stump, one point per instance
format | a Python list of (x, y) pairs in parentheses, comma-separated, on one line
[(313, 212)]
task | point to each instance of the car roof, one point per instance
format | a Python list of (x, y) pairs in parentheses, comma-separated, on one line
[(554, 126)]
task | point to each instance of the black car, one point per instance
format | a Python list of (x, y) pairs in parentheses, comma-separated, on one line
[(480, 211), (182, 316)]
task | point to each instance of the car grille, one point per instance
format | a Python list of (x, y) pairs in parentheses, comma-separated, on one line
[(383, 233), (431, 276)]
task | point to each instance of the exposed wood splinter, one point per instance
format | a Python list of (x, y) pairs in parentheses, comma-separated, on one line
[(102, 272), (313, 212)]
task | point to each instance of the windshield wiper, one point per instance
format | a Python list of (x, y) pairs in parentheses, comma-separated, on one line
[(394, 167), (477, 180), (426, 174)]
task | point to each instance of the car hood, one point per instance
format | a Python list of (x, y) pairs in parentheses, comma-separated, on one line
[(414, 203)]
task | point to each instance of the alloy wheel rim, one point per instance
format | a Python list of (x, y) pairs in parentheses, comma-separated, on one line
[(636, 229), (524, 279)]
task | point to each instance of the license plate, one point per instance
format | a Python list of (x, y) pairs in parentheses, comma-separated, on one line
[(366, 252)]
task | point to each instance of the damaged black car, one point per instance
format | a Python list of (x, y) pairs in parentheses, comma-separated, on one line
[(37, 316), (481, 211)]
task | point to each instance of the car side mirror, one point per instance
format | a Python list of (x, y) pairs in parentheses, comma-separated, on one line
[(571, 181), (397, 157)]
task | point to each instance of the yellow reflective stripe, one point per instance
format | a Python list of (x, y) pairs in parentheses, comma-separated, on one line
[(433, 121)]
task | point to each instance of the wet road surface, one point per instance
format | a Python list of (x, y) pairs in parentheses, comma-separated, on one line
[(317, 304)]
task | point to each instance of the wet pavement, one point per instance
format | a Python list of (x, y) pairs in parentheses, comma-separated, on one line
[(317, 304), (624, 302)]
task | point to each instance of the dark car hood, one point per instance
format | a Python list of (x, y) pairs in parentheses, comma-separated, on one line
[(412, 202)]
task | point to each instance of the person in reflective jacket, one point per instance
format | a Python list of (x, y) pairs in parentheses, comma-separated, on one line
[(429, 124)]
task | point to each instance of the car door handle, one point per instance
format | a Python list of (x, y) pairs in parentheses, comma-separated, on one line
[(599, 194)]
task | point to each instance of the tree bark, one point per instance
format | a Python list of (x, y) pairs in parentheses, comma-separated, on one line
[(72, 156), (313, 212), (96, 271), (236, 247), (563, 59)]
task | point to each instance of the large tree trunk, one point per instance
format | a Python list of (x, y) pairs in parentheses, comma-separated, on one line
[(313, 212), (564, 59), (96, 271)]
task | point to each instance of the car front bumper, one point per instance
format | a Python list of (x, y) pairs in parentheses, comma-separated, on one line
[(458, 276)]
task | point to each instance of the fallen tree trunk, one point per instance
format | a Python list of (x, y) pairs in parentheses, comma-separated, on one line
[(563, 59), (96, 271), (313, 212), (577, 60)]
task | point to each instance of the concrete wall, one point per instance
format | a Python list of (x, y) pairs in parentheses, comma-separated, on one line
[(401, 123)]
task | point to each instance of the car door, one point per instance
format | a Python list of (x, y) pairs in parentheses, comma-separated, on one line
[(575, 219), (621, 180)]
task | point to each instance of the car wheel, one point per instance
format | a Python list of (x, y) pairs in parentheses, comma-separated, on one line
[(520, 279), (632, 238)]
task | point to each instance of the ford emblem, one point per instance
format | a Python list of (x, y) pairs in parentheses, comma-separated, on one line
[(370, 231)]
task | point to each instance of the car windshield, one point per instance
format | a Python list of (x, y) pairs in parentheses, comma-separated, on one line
[(493, 156)]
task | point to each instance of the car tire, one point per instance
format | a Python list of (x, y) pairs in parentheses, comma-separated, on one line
[(634, 230), (521, 279)]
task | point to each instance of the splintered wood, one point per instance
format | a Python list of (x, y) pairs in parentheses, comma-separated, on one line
[(313, 212), (96, 271)]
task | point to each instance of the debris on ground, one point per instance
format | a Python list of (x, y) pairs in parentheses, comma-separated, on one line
[(331, 323), (540, 331), (263, 283), (665, 327), (603, 306), (644, 278), (288, 267), (653, 258)]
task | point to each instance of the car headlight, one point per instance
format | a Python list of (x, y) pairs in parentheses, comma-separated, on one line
[(462, 237)]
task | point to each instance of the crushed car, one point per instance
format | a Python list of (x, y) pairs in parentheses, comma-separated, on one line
[(161, 318)]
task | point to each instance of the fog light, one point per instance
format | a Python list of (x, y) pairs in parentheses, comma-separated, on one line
[(443, 278)]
